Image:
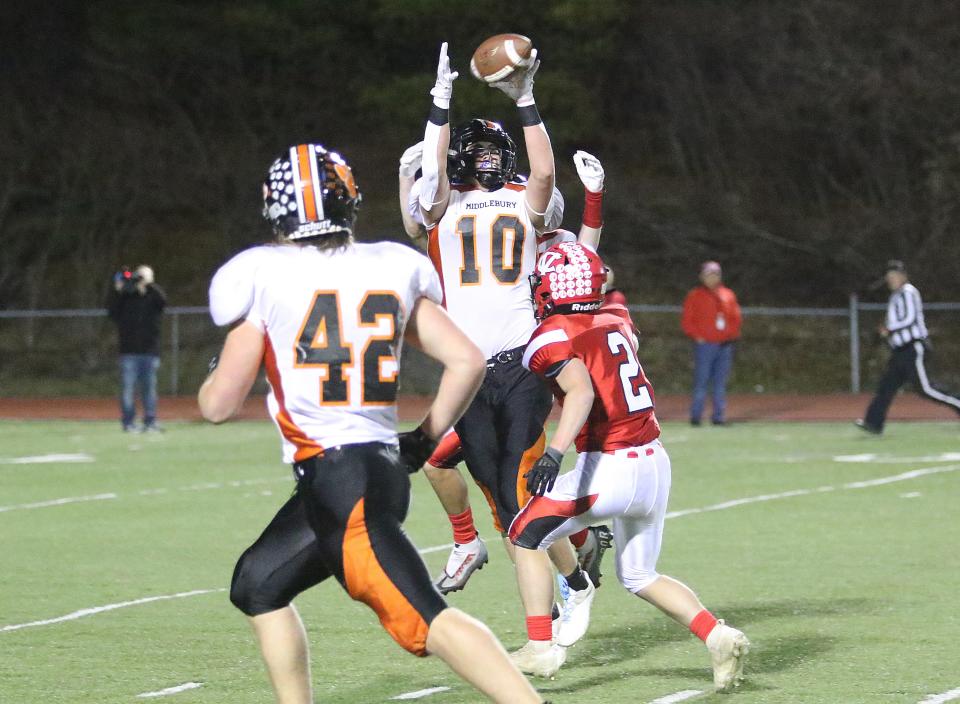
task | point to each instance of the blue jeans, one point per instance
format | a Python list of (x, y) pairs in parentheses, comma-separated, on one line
[(711, 362), (138, 372)]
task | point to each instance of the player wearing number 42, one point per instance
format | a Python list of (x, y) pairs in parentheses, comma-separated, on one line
[(326, 316), (589, 355)]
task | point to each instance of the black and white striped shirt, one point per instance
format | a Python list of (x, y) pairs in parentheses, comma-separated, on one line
[(905, 316)]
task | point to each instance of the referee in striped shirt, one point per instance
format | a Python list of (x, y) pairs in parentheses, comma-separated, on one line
[(906, 334)]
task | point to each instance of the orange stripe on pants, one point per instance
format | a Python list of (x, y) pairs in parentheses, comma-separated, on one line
[(367, 582), (533, 453)]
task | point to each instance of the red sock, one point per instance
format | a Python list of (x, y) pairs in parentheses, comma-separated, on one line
[(539, 627), (702, 624), (463, 529), (578, 539)]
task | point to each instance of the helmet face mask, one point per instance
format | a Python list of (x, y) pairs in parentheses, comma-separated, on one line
[(310, 192), (569, 278), (482, 150)]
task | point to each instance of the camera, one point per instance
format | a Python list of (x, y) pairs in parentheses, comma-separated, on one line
[(127, 279)]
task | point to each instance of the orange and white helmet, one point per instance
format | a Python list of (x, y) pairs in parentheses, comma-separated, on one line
[(309, 192)]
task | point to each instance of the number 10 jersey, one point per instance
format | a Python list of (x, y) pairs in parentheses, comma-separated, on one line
[(484, 247)]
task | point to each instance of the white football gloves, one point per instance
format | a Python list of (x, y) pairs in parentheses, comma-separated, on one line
[(519, 85), (410, 161), (590, 171), (442, 90)]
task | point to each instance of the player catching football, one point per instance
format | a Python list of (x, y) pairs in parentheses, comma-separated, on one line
[(622, 474), (326, 317), (469, 552), (483, 221)]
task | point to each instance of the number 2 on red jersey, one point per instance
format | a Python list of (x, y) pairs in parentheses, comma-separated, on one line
[(635, 391)]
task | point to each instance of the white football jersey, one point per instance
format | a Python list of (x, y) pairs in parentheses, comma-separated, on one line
[(333, 324), (484, 247)]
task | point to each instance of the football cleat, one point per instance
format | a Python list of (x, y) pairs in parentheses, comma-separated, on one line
[(539, 658), (575, 615), (867, 428), (728, 649), (464, 560), (599, 540)]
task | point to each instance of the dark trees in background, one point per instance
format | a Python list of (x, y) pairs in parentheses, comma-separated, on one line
[(802, 143)]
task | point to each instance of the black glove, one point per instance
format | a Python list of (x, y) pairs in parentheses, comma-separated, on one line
[(415, 449), (543, 474)]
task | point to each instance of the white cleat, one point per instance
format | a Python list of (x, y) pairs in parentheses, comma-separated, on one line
[(575, 615), (539, 658), (464, 560), (728, 650)]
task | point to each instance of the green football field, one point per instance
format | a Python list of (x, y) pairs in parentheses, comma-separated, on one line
[(837, 553)]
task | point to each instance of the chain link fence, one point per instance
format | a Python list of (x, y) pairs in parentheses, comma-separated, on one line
[(72, 352)]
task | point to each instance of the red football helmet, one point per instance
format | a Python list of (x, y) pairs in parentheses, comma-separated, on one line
[(569, 278)]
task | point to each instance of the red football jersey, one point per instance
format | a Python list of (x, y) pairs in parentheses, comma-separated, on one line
[(622, 413)]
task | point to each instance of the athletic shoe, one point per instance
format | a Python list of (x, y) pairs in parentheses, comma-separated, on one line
[(599, 540), (539, 657), (575, 615), (152, 428), (867, 428), (464, 560), (728, 649)]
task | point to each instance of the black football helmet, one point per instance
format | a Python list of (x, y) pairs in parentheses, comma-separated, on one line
[(310, 192), (483, 150)]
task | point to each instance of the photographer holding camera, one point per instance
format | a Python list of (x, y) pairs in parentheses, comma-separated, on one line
[(135, 303)]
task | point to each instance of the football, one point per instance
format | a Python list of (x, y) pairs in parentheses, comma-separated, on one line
[(498, 56)]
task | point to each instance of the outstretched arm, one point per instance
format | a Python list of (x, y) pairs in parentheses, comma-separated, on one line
[(540, 183), (409, 164), (434, 184), (590, 171)]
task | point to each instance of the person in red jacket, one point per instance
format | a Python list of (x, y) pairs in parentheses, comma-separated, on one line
[(711, 318)]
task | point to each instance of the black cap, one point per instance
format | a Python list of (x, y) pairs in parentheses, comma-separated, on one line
[(895, 265)]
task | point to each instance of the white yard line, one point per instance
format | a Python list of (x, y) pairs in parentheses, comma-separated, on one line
[(108, 607), (941, 698), (421, 693), (60, 502), (678, 696), (435, 548), (905, 476), (913, 474), (170, 690), (48, 459), (206, 486), (874, 458)]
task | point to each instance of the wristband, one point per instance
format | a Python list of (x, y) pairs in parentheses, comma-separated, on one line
[(529, 117), (592, 208), (554, 454), (439, 115)]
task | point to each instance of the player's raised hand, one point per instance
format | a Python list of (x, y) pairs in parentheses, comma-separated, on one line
[(411, 159), (590, 170), (519, 85), (543, 475), (443, 88)]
